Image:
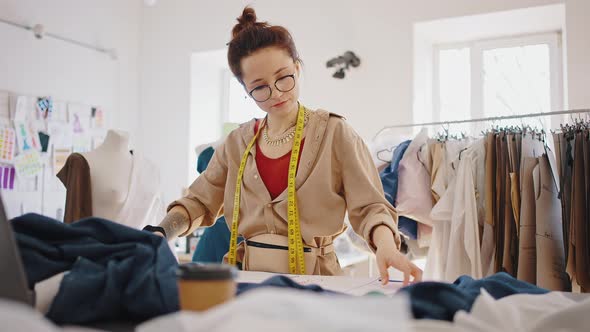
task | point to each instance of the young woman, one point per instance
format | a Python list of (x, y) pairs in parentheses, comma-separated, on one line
[(288, 229)]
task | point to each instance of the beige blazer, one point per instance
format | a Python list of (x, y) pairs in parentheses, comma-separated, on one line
[(336, 174)]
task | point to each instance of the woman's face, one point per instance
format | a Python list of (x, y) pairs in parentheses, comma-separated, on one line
[(272, 68)]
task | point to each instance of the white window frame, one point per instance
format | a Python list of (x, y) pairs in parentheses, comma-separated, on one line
[(227, 81), (552, 39)]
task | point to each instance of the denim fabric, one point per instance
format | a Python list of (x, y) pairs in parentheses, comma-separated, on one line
[(389, 179), (440, 301), (115, 272)]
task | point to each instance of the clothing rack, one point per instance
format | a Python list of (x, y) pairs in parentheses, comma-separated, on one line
[(494, 118)]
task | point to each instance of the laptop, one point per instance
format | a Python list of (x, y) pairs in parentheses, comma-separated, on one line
[(13, 280)]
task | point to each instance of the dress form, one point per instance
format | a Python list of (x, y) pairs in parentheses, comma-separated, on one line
[(111, 166)]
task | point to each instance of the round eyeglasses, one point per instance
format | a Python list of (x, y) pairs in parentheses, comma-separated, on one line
[(264, 92)]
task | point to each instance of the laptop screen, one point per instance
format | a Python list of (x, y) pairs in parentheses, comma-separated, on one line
[(13, 280)]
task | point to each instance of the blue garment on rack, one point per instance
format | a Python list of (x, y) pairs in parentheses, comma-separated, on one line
[(204, 158), (115, 272), (437, 300), (389, 179), (214, 243)]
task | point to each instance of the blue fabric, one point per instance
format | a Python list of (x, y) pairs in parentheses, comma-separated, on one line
[(115, 272), (429, 300), (440, 301), (389, 179), (281, 282), (214, 243), (204, 158)]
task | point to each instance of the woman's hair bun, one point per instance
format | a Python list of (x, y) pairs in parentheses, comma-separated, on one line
[(248, 19)]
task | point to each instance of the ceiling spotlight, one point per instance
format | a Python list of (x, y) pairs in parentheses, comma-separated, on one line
[(38, 31), (344, 61), (339, 73)]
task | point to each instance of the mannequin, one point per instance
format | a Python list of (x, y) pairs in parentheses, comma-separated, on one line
[(110, 165), (111, 183)]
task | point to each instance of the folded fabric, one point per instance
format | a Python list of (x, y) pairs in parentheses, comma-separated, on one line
[(524, 312), (436, 300), (115, 272)]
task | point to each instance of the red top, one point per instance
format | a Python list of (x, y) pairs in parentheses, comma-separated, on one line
[(274, 172)]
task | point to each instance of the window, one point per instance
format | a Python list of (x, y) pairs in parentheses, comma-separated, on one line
[(498, 78), (240, 107)]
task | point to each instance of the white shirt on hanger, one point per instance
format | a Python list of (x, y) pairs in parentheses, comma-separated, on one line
[(464, 255)]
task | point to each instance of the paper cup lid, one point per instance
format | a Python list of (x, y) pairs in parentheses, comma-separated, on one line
[(201, 271)]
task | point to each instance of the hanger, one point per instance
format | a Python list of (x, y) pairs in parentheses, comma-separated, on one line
[(390, 150)]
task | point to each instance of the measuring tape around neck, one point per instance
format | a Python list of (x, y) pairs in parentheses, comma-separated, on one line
[(296, 258)]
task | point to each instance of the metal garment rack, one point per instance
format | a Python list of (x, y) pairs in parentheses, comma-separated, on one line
[(494, 118), (110, 52)]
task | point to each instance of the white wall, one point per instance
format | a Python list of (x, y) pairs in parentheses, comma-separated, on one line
[(379, 92), (577, 13), (68, 72), (207, 91), (51, 67)]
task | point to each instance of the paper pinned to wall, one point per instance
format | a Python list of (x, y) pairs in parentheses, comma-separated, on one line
[(45, 107), (60, 156), (28, 164), (60, 112), (97, 120), (81, 143), (7, 177), (26, 139), (79, 117), (61, 134), (44, 141), (7, 145), (22, 108)]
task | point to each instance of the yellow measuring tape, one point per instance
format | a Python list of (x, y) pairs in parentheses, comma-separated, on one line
[(296, 258)]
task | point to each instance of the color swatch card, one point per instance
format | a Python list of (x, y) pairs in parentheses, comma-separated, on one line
[(7, 145), (28, 164), (60, 156), (7, 175), (97, 120)]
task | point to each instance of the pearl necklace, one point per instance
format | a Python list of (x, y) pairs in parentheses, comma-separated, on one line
[(285, 138)]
